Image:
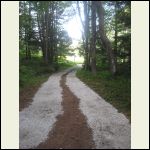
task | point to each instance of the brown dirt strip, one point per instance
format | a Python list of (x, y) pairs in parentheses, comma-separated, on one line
[(26, 95), (71, 130)]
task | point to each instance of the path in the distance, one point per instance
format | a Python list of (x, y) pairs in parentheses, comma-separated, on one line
[(65, 113)]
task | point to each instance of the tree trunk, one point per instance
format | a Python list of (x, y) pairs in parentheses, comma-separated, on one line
[(93, 46), (116, 33), (26, 51), (83, 32), (40, 33), (29, 30), (46, 36), (86, 32), (55, 34), (106, 43), (52, 35)]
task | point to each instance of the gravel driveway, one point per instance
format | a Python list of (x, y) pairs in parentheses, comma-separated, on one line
[(58, 99)]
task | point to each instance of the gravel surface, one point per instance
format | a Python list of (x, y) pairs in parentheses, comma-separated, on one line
[(70, 130), (37, 120), (111, 130)]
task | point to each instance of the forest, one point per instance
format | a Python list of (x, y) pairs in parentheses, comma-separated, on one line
[(105, 46)]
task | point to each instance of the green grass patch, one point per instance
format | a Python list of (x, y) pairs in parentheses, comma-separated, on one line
[(31, 74), (34, 72), (114, 89)]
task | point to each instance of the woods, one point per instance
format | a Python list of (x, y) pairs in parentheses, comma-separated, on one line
[(105, 45), (40, 29), (60, 93), (105, 26), (52, 37), (106, 31)]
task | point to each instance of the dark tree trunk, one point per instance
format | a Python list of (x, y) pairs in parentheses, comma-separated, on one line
[(116, 33), (29, 30), (86, 31), (55, 34), (93, 46), (46, 36), (40, 33), (83, 33), (105, 41)]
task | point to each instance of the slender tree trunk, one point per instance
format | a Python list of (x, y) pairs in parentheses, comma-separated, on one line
[(40, 34), (86, 31), (52, 34), (46, 36), (83, 32), (78, 7), (55, 35), (48, 33), (29, 30), (116, 34), (93, 46), (106, 43), (43, 34), (26, 48), (26, 51)]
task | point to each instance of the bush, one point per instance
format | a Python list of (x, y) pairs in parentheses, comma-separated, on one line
[(30, 71), (105, 75)]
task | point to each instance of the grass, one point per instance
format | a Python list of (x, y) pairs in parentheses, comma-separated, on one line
[(116, 90), (35, 71)]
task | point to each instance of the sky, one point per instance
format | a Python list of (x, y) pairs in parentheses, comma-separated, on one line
[(74, 28)]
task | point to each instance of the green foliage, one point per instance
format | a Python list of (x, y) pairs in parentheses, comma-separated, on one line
[(35, 71), (32, 71), (118, 27), (125, 70), (24, 74), (105, 75)]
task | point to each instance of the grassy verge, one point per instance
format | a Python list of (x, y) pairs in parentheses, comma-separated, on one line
[(35, 71), (116, 90), (32, 74)]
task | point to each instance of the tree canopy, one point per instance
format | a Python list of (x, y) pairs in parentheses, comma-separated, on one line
[(106, 35)]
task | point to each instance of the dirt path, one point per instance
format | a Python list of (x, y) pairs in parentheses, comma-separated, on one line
[(25, 97), (71, 130), (67, 114), (110, 129)]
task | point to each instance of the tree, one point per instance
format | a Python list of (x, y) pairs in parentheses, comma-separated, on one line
[(86, 31), (106, 34), (93, 42), (119, 21), (47, 18), (105, 41), (25, 28)]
